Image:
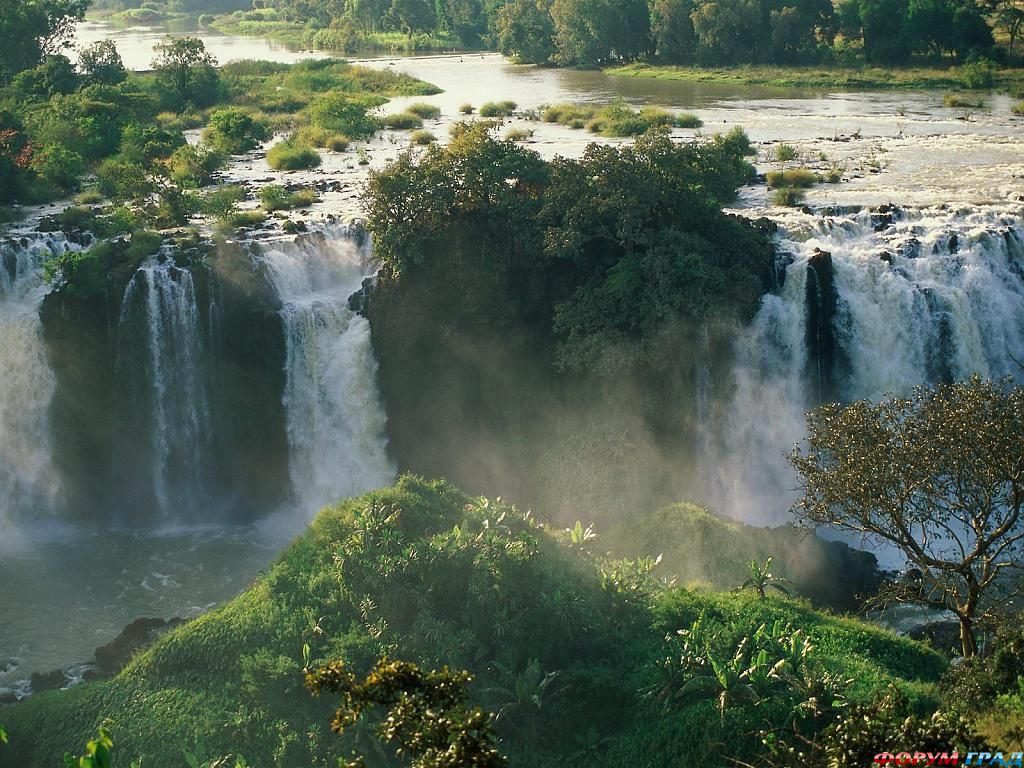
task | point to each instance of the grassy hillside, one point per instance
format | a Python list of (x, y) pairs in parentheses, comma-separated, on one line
[(566, 647)]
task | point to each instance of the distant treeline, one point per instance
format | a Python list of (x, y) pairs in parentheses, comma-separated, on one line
[(713, 32)]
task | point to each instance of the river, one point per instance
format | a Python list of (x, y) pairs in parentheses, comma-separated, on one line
[(957, 172)]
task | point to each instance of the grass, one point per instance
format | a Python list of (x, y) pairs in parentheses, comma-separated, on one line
[(422, 137), (424, 110), (276, 198), (1018, 109), (403, 121), (421, 571), (835, 78), (518, 134), (322, 138), (289, 155), (959, 101), (498, 109), (790, 197), (800, 178), (616, 120)]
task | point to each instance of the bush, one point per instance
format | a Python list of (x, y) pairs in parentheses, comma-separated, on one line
[(424, 110), (566, 114), (956, 100), (518, 134), (342, 114), (194, 165), (466, 109), (787, 196), (220, 203), (58, 165), (337, 142), (120, 180), (979, 74), (276, 198), (1018, 109), (795, 177), (403, 121), (498, 109), (289, 156), (422, 137), (235, 131), (688, 120)]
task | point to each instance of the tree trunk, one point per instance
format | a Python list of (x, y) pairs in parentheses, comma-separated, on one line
[(968, 642)]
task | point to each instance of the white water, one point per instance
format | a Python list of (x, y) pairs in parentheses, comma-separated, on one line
[(160, 300), (935, 313), (28, 483), (334, 414)]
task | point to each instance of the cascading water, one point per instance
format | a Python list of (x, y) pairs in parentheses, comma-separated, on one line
[(872, 304), (160, 360), (334, 414), (28, 482)]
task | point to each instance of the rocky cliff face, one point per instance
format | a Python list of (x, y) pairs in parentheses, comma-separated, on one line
[(105, 352)]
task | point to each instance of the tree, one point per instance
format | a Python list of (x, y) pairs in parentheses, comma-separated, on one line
[(940, 476), (426, 715), (235, 132), (728, 31), (672, 30), (32, 28), (101, 63), (1011, 19), (525, 31), (186, 72)]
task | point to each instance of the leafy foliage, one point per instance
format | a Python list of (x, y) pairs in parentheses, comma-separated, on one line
[(937, 474), (426, 714), (625, 241), (559, 642)]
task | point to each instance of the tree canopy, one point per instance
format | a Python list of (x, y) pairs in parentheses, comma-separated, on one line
[(32, 28), (940, 476)]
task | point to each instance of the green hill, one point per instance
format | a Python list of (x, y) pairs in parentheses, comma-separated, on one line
[(565, 648)]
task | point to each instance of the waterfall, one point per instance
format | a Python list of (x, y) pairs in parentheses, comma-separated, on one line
[(28, 481), (335, 419), (160, 360), (915, 297)]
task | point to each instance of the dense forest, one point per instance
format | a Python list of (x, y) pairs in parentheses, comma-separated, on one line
[(730, 32)]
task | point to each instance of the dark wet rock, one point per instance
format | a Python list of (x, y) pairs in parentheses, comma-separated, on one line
[(943, 636), (911, 249), (48, 681), (112, 657), (886, 257), (954, 243), (7, 698), (884, 215)]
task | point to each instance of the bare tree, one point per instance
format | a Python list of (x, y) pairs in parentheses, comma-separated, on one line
[(940, 475)]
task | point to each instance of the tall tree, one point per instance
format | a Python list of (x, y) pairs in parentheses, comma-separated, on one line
[(187, 70), (940, 476), (30, 29)]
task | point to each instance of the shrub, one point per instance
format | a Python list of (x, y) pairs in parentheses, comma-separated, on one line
[(654, 116), (422, 137), (466, 109), (58, 165), (403, 121), (956, 100), (784, 153), (498, 109), (276, 198), (121, 180), (194, 165), (89, 197), (568, 113), (979, 74), (787, 196), (342, 114), (1018, 109), (688, 120), (235, 131), (424, 110), (795, 177), (220, 203), (289, 156), (518, 134), (337, 143)]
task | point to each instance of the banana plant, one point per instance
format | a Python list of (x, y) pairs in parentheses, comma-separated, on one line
[(761, 578)]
